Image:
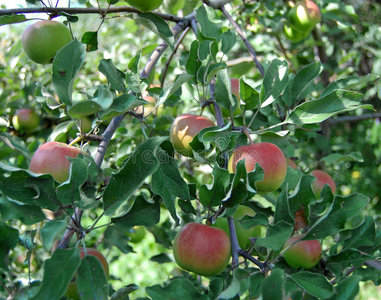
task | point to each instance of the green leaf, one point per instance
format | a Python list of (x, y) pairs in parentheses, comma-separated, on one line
[(209, 22), (51, 231), (363, 235), (66, 65), (223, 91), (337, 215), (248, 94), (347, 289), (272, 286), (91, 279), (115, 77), (9, 238), (12, 19), (168, 183), (122, 294), (58, 272), (142, 163), (84, 108), (27, 214), (193, 63), (114, 236), (172, 88), (276, 236), (282, 208), (90, 38), (350, 83), (27, 239), (313, 283), (337, 157), (274, 82), (157, 25), (177, 288), (316, 111), (231, 290), (228, 40), (16, 144), (348, 258), (121, 105)]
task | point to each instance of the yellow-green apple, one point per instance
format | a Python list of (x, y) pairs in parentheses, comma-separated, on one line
[(51, 158), (294, 35), (202, 249), (304, 16), (243, 234), (302, 254), (25, 120), (72, 291), (136, 234), (184, 128), (42, 40), (322, 178), (269, 157), (145, 5)]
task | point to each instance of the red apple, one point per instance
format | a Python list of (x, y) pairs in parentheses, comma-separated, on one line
[(72, 291), (42, 40), (145, 5), (25, 120), (322, 178), (235, 87), (269, 157), (243, 234), (302, 254), (202, 249), (304, 16), (291, 163), (51, 158), (184, 128)]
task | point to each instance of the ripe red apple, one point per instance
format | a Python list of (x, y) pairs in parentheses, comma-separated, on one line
[(145, 5), (25, 120), (304, 16), (322, 178), (42, 40), (302, 254), (51, 158), (136, 234), (184, 128), (269, 157), (202, 249), (235, 87), (243, 234), (72, 291)]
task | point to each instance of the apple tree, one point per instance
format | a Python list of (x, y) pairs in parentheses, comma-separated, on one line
[(211, 149)]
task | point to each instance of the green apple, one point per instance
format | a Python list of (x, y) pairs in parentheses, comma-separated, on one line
[(294, 35), (304, 16), (202, 249), (51, 158), (25, 120), (322, 178), (145, 5), (269, 157), (302, 254), (184, 128), (42, 40), (243, 234), (136, 234)]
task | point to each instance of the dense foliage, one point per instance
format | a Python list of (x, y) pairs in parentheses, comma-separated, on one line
[(115, 90)]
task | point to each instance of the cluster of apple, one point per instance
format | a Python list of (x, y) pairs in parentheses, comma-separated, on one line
[(204, 249), (302, 18)]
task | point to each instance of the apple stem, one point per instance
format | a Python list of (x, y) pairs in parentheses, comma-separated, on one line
[(246, 131)]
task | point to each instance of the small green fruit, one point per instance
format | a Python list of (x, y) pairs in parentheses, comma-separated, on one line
[(136, 234), (25, 120), (145, 5)]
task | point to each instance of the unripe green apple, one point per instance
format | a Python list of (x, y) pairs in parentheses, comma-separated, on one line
[(42, 40), (145, 5), (302, 254), (184, 128), (72, 291), (202, 249), (51, 158), (243, 234), (136, 234), (304, 16), (322, 178), (25, 120), (269, 157), (294, 35)]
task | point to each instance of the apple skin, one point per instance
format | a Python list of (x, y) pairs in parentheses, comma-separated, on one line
[(304, 16), (25, 120), (184, 128), (243, 234), (322, 178), (42, 40), (51, 158), (269, 157), (202, 249), (303, 254), (291, 163), (294, 35), (72, 291), (136, 234), (145, 5)]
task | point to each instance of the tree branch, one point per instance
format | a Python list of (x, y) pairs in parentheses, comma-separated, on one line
[(84, 10)]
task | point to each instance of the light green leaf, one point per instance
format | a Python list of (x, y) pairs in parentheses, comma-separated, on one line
[(313, 283)]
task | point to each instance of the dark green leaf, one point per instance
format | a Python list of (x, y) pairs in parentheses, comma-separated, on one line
[(350, 83), (12, 19), (27, 214), (66, 65), (118, 238), (228, 41), (223, 91), (9, 238), (161, 258), (231, 290), (115, 77), (363, 235), (27, 239), (51, 231), (347, 289), (121, 105), (276, 236), (337, 157), (84, 108), (122, 294), (209, 22), (248, 94), (16, 144), (90, 38), (314, 284), (212, 195), (272, 286)]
